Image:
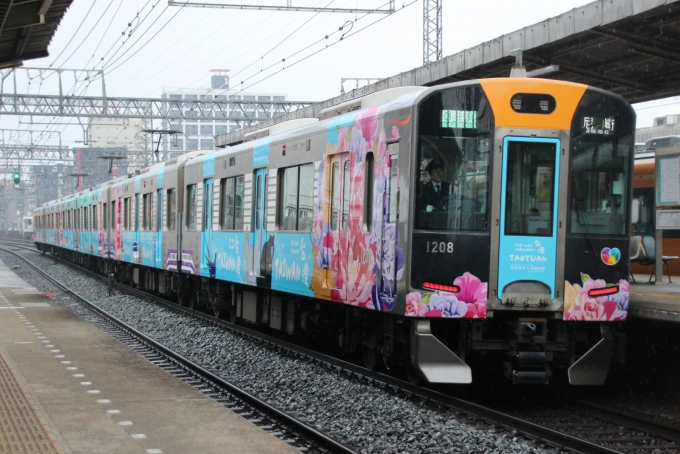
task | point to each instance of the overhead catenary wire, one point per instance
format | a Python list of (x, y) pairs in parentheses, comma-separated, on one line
[(88, 33), (278, 62), (282, 41), (162, 54), (74, 35), (227, 46), (128, 33), (318, 51), (110, 70), (105, 32)]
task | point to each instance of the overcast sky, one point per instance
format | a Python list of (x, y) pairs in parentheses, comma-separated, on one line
[(145, 48)]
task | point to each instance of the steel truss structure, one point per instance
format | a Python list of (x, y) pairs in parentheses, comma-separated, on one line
[(432, 31), (244, 113)]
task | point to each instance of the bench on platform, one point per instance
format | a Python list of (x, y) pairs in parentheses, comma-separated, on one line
[(643, 252)]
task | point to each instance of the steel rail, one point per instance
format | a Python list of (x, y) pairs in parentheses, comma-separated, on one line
[(311, 433)]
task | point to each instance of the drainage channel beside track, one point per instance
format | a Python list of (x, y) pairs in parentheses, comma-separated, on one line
[(575, 428)]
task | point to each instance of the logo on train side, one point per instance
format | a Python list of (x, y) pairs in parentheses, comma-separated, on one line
[(610, 256)]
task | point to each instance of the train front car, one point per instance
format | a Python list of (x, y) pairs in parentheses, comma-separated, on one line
[(519, 224)]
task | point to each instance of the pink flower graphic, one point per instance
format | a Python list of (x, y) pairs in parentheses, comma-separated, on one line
[(472, 290), (414, 308), (580, 306)]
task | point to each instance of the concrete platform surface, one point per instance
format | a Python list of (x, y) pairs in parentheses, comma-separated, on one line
[(91, 394), (9, 279), (656, 301)]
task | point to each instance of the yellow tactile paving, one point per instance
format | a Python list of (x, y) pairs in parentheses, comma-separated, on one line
[(22, 428)]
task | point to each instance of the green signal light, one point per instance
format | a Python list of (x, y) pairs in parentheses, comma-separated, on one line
[(16, 177)]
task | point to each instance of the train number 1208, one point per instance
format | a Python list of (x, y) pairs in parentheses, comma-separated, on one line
[(439, 247)]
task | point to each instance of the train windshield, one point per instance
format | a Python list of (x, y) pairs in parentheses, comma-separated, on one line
[(455, 134), (602, 144)]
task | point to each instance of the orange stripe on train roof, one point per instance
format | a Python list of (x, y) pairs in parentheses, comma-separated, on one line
[(499, 92)]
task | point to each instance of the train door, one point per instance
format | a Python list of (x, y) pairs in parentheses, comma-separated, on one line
[(338, 219), (388, 235), (135, 241), (259, 222), (207, 253), (158, 260), (528, 221)]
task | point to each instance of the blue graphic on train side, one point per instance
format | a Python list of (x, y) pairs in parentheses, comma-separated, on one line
[(293, 263)]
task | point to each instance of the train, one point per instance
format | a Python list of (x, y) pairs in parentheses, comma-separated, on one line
[(643, 191), (468, 228), (27, 231)]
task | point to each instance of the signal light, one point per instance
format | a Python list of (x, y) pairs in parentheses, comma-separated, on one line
[(16, 177), (447, 288), (604, 291)]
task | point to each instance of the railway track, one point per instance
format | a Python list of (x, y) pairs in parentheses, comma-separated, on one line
[(570, 425), (280, 424)]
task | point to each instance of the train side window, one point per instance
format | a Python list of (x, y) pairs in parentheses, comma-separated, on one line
[(335, 195), (147, 220), (159, 211), (95, 217), (393, 189), (289, 199), (238, 203), (126, 213), (113, 215), (369, 178), (86, 218), (345, 195), (105, 216), (227, 203), (295, 198), (190, 221), (137, 214), (171, 209)]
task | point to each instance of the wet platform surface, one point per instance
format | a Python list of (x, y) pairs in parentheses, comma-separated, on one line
[(67, 387)]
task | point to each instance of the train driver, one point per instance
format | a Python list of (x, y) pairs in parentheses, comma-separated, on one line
[(434, 195)]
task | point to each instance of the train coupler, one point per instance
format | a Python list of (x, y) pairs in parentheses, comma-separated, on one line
[(528, 367)]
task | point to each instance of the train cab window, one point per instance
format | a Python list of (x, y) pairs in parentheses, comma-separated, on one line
[(455, 134), (231, 203), (296, 198), (529, 194), (171, 209), (190, 222), (602, 140)]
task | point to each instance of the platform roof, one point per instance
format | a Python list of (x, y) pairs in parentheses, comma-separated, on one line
[(27, 27), (630, 47)]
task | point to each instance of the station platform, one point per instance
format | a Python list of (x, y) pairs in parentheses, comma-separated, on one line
[(658, 301), (68, 388)]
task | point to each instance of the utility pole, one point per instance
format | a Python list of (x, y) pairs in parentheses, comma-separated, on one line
[(432, 31)]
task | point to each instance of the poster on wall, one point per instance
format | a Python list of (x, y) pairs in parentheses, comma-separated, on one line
[(668, 180)]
